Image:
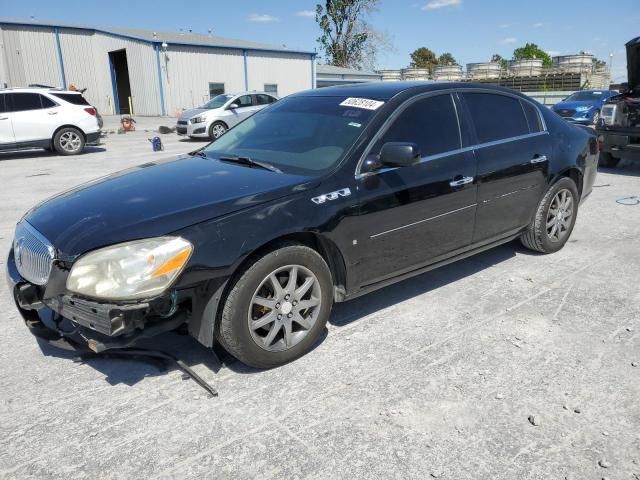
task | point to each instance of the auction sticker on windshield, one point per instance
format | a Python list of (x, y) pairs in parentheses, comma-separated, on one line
[(365, 103)]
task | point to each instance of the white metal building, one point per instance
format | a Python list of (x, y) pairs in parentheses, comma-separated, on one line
[(329, 75), (153, 73)]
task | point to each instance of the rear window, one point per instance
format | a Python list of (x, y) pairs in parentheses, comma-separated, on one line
[(74, 98), (496, 117)]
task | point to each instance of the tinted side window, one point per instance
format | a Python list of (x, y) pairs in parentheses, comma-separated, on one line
[(20, 102), (431, 123), (3, 108), (262, 99), (533, 117), (74, 98), (496, 117), (244, 101), (46, 102)]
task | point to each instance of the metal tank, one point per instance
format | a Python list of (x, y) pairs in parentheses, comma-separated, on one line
[(415, 74), (391, 75), (526, 68), (447, 73), (580, 63), (484, 71)]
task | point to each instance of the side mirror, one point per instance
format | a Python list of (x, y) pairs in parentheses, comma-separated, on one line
[(233, 106), (399, 154)]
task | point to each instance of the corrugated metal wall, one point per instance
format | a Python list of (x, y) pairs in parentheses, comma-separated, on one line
[(187, 72), (291, 72), (31, 56)]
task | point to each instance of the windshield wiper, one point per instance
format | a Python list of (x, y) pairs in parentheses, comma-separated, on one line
[(199, 153), (250, 162)]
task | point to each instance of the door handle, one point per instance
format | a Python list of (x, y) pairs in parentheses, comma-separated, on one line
[(4, 118), (458, 182), (538, 159), (52, 113)]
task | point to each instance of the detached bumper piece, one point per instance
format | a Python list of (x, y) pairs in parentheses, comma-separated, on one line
[(104, 318)]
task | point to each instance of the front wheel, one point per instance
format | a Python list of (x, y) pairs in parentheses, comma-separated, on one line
[(68, 141), (277, 308), (216, 130), (554, 219)]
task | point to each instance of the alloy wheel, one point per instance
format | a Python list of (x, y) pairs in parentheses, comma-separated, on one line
[(560, 215), (284, 308), (70, 141), (218, 131)]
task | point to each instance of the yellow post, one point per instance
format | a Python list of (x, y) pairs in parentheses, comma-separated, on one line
[(130, 106)]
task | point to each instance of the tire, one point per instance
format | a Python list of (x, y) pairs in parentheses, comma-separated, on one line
[(539, 235), (217, 129), (273, 344), (607, 160), (68, 141)]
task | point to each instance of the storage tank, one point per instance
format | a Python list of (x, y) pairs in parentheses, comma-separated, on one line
[(415, 74), (390, 75), (526, 68), (580, 63), (447, 73), (483, 71)]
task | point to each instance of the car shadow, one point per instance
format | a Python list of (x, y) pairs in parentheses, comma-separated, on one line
[(129, 371), (626, 167), (38, 152)]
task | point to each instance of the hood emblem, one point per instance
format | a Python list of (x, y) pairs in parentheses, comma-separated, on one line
[(345, 192)]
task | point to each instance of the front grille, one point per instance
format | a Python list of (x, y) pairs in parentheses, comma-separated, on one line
[(181, 130), (182, 122), (33, 254), (566, 113)]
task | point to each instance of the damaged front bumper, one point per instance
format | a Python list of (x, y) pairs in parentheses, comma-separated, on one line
[(51, 313)]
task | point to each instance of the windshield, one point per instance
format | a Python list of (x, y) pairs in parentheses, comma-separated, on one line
[(584, 96), (299, 135), (217, 101)]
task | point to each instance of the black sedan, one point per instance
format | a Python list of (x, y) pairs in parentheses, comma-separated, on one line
[(324, 196)]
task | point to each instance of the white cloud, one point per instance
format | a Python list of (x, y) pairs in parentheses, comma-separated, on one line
[(306, 13), (435, 4), (508, 40), (255, 17)]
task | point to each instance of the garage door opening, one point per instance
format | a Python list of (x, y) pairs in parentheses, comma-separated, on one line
[(120, 81)]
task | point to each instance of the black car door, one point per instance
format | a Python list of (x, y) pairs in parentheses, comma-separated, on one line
[(410, 216), (513, 151)]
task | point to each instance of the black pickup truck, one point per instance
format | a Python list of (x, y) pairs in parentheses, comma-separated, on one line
[(619, 126)]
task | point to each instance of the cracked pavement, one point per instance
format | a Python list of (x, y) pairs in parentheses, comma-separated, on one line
[(432, 377)]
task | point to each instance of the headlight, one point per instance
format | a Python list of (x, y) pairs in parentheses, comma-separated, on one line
[(139, 269), (586, 108), (198, 120)]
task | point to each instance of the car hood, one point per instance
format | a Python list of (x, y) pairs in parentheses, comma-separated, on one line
[(187, 114), (574, 105), (155, 199), (633, 64)]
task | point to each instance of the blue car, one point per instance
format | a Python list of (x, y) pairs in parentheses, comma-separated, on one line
[(583, 106)]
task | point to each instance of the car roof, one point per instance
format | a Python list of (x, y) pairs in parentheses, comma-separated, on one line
[(388, 90), (39, 90)]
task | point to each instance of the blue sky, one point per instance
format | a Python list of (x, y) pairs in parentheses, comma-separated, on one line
[(470, 29)]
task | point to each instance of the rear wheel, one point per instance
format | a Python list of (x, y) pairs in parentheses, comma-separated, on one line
[(554, 219), (68, 141), (277, 308), (607, 160)]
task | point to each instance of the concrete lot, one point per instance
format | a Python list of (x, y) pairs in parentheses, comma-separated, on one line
[(434, 377)]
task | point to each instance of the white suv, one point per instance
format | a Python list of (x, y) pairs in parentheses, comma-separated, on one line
[(47, 118), (221, 113)]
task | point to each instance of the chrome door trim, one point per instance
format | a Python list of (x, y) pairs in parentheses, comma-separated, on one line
[(421, 221)]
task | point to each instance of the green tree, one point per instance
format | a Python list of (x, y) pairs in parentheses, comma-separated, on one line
[(497, 58), (531, 51), (346, 39), (447, 59), (423, 58)]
